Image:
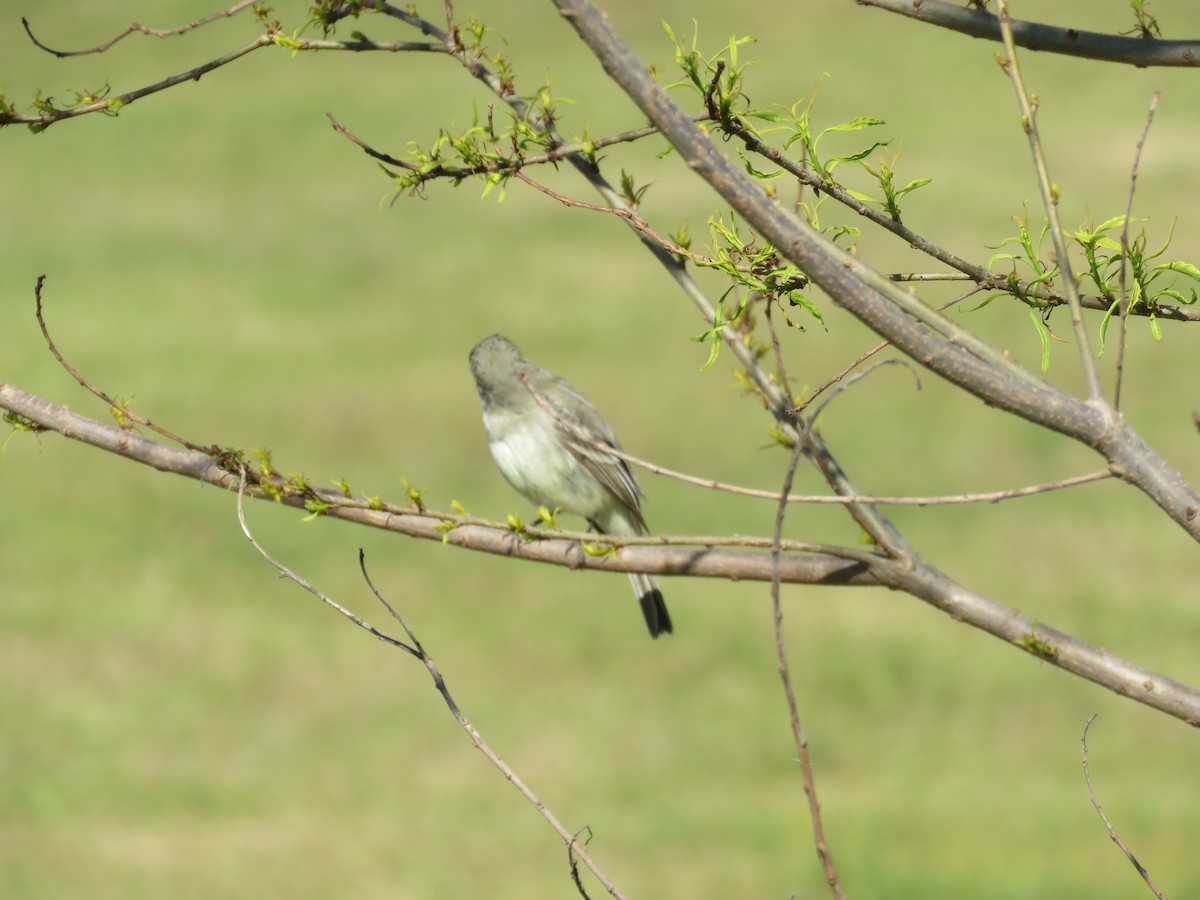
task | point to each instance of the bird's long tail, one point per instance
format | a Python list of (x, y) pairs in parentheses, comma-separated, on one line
[(654, 608)]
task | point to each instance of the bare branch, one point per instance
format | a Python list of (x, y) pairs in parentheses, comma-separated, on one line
[(914, 577), (112, 105), (292, 576), (810, 786), (417, 650), (136, 28), (978, 23), (119, 409), (830, 382), (575, 849), (1123, 310), (838, 499), (1112, 832)]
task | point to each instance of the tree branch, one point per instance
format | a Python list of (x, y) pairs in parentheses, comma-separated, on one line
[(417, 650), (907, 574), (878, 303), (1083, 343), (977, 23), (824, 854), (1123, 302), (138, 28)]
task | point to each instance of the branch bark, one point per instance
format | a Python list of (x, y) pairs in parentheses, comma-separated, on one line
[(977, 23), (906, 573), (879, 304)]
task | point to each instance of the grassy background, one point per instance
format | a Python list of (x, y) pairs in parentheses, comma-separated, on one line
[(179, 722)]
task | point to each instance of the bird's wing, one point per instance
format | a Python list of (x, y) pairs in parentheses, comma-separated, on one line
[(611, 471)]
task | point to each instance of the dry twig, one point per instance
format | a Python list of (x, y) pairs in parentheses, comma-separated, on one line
[(1112, 832)]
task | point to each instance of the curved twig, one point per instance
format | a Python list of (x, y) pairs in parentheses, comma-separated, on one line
[(138, 28), (831, 499), (1112, 832)]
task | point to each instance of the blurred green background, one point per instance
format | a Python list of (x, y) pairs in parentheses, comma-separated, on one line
[(179, 722)]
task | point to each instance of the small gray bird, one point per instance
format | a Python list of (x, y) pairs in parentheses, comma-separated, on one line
[(553, 466)]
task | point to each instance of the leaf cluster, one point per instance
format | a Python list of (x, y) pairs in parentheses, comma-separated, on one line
[(1109, 258)]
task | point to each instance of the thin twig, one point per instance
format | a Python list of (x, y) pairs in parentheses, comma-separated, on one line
[(573, 862), (1050, 200), (292, 576), (830, 382), (630, 215), (810, 786), (1123, 307), (574, 846), (458, 173), (137, 27), (842, 500), (852, 380), (776, 350), (1112, 832), (417, 650), (114, 104), (119, 410), (930, 276)]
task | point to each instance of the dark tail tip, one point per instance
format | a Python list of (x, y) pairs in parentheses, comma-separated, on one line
[(654, 608)]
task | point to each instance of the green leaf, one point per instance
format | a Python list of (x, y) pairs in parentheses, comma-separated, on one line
[(1036, 317), (1183, 268), (764, 176), (769, 115), (865, 198), (856, 124), (912, 186)]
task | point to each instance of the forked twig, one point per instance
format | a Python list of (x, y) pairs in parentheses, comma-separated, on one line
[(1112, 832), (829, 382), (417, 650), (292, 576), (574, 847)]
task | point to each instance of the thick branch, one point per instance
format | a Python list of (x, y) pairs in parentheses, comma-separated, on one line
[(1093, 663), (877, 302), (702, 561), (1136, 51)]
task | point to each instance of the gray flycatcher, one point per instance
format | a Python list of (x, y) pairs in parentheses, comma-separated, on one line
[(552, 465)]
